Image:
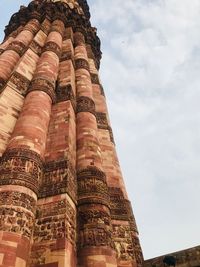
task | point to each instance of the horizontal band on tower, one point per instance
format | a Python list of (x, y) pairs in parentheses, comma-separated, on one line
[(44, 85), (85, 104), (35, 47), (81, 63), (65, 181), (94, 78), (21, 167), (20, 81), (65, 93), (92, 185), (52, 47), (18, 47)]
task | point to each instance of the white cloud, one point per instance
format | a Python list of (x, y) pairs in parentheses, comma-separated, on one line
[(150, 70)]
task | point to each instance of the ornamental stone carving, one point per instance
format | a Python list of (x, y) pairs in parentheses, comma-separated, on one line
[(65, 93), (81, 63), (21, 167), (55, 220), (42, 84), (18, 47), (59, 177), (20, 81), (53, 47), (85, 104)]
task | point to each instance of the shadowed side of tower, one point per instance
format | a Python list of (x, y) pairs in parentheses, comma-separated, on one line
[(62, 197)]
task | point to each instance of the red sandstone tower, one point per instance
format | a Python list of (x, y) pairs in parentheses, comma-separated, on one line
[(62, 198)]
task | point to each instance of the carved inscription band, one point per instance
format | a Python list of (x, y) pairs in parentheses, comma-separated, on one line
[(53, 47), (81, 63), (41, 84), (18, 47), (64, 93), (20, 81), (92, 186), (21, 167), (85, 104)]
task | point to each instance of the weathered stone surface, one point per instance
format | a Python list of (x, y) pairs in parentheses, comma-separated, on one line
[(62, 197)]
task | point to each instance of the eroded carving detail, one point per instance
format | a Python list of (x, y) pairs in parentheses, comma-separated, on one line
[(123, 242), (55, 220), (91, 184), (59, 177), (20, 81), (17, 199), (53, 47), (21, 167), (41, 84), (81, 63), (36, 48), (95, 78), (98, 236), (94, 216), (17, 220), (85, 104), (118, 204), (101, 119), (18, 47), (64, 93), (66, 55)]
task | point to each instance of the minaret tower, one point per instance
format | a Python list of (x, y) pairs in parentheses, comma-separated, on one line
[(63, 202)]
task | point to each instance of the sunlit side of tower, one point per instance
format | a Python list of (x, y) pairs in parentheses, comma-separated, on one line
[(63, 202)]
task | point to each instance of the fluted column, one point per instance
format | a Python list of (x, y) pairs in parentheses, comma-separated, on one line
[(22, 163), (15, 49), (124, 229), (94, 225)]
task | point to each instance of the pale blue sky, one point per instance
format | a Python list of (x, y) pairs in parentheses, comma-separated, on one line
[(150, 72)]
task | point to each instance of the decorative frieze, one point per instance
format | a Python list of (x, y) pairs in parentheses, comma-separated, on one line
[(85, 104), (59, 177), (94, 78), (18, 47), (93, 216), (92, 185), (101, 118), (102, 123), (55, 220), (94, 237), (42, 84), (17, 199), (118, 204), (66, 55), (20, 81), (81, 63), (21, 167), (123, 243), (16, 220), (53, 47), (65, 93), (35, 47)]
